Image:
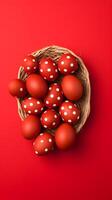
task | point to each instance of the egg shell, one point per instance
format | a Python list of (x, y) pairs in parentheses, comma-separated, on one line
[(31, 127), (67, 64), (36, 86), (32, 106), (43, 144), (17, 88), (30, 64), (48, 69), (72, 87), (50, 119), (54, 97), (69, 112), (65, 136)]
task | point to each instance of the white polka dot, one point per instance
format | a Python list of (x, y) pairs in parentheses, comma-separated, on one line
[(58, 98), (45, 119), (47, 102), (51, 76), (33, 60), (54, 105), (41, 141), (38, 102), (55, 116), (42, 108), (25, 106), (74, 112), (25, 59), (31, 104), (46, 149), (33, 143), (70, 107), (50, 140), (35, 67), (45, 126), (45, 77), (35, 110), (36, 152), (49, 70), (57, 89), (62, 108), (52, 95), (55, 84), (54, 64), (41, 70), (29, 98), (69, 120), (56, 70), (45, 111), (21, 89), (28, 68), (50, 88), (78, 117), (29, 111), (54, 123), (59, 69), (68, 57), (71, 64), (46, 62), (41, 134), (72, 72), (66, 101), (65, 70), (63, 119), (62, 62), (65, 113)]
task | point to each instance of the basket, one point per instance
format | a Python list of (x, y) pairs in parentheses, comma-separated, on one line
[(84, 103)]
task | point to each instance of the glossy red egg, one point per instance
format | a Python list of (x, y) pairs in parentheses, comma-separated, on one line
[(32, 106), (43, 144), (72, 87), (69, 112), (50, 119), (67, 64), (65, 136), (36, 86), (54, 97), (17, 88), (31, 127), (30, 64), (48, 69)]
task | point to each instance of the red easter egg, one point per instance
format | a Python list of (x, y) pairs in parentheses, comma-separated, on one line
[(30, 64), (17, 88), (67, 64), (31, 127), (54, 97), (43, 144), (48, 69), (65, 136), (50, 119), (69, 112), (36, 86), (72, 87), (32, 105)]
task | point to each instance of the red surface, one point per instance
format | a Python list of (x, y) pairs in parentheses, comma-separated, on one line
[(85, 171)]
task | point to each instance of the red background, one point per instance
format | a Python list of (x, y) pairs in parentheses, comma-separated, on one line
[(84, 172)]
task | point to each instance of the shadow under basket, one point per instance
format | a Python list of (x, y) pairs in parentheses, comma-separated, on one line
[(82, 73)]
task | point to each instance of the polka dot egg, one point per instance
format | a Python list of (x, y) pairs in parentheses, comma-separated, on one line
[(32, 106), (43, 144)]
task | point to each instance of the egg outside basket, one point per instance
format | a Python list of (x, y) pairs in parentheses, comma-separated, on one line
[(84, 103)]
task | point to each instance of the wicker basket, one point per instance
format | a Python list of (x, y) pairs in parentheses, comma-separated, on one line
[(84, 103)]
